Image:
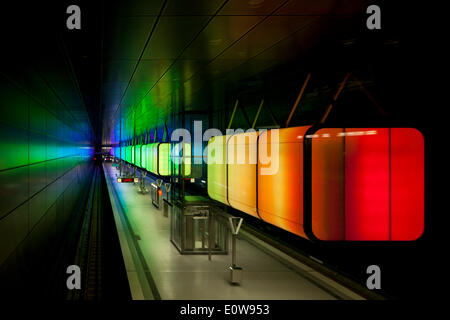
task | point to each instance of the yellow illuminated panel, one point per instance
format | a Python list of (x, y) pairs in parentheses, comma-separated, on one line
[(217, 169), (242, 159), (163, 159), (181, 158), (187, 159)]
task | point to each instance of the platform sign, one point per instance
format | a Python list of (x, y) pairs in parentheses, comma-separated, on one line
[(127, 180)]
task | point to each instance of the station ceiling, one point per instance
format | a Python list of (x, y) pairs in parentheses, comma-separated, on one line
[(152, 49), (138, 61)]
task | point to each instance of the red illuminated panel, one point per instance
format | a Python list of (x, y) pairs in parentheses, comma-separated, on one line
[(280, 194), (327, 183), (376, 188), (407, 184), (242, 159), (127, 179), (367, 184)]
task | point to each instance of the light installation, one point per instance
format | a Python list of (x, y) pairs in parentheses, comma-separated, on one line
[(156, 157), (217, 169), (341, 184), (286, 183), (163, 153), (181, 158), (367, 184), (143, 156), (137, 155)]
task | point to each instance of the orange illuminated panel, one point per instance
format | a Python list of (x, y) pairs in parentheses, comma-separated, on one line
[(217, 168), (280, 191), (407, 184), (327, 185), (242, 159)]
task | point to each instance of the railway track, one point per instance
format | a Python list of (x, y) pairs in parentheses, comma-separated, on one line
[(89, 251)]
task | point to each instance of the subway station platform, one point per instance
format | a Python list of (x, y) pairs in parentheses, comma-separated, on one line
[(157, 270), (310, 121)]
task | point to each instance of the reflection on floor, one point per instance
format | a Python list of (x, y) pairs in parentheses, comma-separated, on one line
[(156, 269)]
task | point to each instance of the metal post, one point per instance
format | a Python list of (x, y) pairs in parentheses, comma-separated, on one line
[(371, 98), (257, 113), (232, 114), (300, 94), (120, 139), (233, 250), (166, 202), (209, 234), (235, 271), (338, 92)]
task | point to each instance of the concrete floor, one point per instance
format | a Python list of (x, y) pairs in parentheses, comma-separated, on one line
[(153, 261)]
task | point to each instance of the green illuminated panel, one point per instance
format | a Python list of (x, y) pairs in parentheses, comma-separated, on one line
[(144, 156), (154, 158), (180, 160), (138, 155), (151, 157), (164, 159), (132, 154), (128, 154), (148, 158)]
